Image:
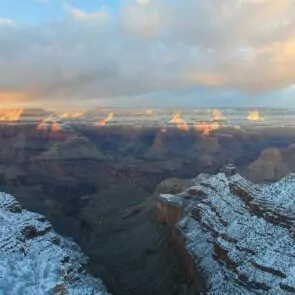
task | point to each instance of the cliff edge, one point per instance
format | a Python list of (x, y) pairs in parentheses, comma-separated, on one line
[(34, 259), (239, 236)]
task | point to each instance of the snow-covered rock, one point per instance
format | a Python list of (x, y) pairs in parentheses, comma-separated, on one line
[(240, 235), (35, 260)]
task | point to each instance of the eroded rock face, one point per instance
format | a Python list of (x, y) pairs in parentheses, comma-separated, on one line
[(36, 260), (239, 235), (269, 167)]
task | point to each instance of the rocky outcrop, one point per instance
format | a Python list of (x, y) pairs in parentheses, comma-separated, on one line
[(34, 259), (168, 211), (158, 148), (269, 167), (239, 235)]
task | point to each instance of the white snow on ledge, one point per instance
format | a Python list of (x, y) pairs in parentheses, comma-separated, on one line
[(35, 260), (241, 235), (171, 199)]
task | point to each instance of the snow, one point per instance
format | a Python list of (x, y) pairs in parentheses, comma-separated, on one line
[(253, 226), (171, 199), (35, 260)]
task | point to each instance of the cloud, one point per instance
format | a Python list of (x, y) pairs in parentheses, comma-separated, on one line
[(209, 79), (100, 15), (5, 21), (12, 96), (142, 19), (152, 46)]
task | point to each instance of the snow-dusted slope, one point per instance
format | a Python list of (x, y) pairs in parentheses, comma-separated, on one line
[(240, 235), (35, 260)]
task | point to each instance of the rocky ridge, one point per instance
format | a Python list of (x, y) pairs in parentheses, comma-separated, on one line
[(34, 259), (239, 235), (272, 164)]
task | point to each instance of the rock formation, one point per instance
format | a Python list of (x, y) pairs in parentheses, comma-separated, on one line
[(237, 235), (73, 149), (95, 184), (36, 260), (270, 166)]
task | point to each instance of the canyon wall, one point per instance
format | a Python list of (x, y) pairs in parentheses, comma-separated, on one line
[(239, 235), (169, 211)]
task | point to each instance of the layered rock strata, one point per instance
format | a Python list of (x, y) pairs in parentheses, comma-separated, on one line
[(239, 236), (34, 259)]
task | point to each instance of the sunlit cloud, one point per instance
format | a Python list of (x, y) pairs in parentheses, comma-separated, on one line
[(209, 79), (12, 96), (79, 14)]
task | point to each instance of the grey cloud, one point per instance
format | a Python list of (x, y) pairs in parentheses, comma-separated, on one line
[(161, 46)]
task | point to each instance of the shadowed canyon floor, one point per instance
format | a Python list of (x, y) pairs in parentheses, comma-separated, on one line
[(96, 185)]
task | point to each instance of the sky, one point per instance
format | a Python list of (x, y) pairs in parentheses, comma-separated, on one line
[(147, 53)]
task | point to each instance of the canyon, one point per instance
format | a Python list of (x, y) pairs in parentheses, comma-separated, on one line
[(236, 235), (100, 186)]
